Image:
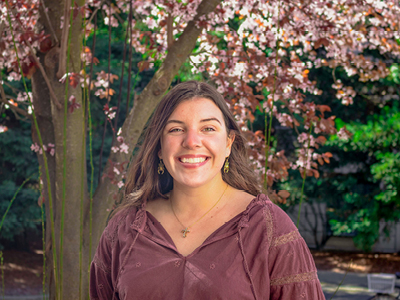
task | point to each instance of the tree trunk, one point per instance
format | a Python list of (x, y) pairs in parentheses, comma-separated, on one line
[(51, 124)]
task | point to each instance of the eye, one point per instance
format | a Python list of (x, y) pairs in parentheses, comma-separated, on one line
[(209, 129), (175, 130)]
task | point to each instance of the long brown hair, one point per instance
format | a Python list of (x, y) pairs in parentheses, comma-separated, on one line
[(145, 184)]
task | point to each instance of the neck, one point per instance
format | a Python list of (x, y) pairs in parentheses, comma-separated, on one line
[(191, 202)]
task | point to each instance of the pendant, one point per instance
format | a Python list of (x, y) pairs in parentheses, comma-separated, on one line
[(185, 231)]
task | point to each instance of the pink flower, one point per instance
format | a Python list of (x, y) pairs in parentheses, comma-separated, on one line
[(35, 147), (116, 171), (124, 148)]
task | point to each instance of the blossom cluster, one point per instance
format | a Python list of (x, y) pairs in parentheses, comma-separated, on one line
[(259, 54), (122, 147), (49, 148)]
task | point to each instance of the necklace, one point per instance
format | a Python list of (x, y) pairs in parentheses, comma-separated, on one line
[(186, 230)]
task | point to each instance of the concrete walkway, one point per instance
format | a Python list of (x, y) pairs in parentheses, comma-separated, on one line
[(354, 286), (37, 297)]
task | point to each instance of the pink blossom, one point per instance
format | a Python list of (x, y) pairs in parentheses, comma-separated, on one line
[(35, 147), (116, 171), (114, 149), (4, 129), (343, 134), (124, 148), (111, 115)]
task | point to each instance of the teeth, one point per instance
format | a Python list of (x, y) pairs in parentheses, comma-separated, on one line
[(193, 160)]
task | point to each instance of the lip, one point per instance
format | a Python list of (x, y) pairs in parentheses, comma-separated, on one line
[(192, 165)]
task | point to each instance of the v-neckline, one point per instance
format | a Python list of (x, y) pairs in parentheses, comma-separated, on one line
[(208, 240)]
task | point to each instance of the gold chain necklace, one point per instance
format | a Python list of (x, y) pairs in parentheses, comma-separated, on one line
[(186, 230)]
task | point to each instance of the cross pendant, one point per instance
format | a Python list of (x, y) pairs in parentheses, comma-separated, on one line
[(185, 232)]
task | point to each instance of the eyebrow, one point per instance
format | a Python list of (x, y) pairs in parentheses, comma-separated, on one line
[(202, 121)]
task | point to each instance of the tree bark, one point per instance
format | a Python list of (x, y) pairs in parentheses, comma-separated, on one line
[(40, 100), (51, 125)]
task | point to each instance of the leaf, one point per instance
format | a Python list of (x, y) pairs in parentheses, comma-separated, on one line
[(294, 81), (74, 79), (324, 108), (283, 194), (72, 105), (143, 65), (321, 140), (326, 157), (321, 42), (45, 45), (112, 77)]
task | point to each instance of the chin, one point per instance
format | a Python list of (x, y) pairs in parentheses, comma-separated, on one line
[(195, 182)]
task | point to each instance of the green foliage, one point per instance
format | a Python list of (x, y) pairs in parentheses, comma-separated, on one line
[(17, 163), (24, 213), (378, 140), (395, 73)]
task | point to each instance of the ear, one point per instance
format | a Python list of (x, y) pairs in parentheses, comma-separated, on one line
[(159, 154), (231, 139)]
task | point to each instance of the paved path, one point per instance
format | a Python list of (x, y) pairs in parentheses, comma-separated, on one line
[(354, 286)]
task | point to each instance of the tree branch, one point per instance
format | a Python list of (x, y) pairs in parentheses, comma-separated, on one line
[(4, 100), (170, 29), (2, 26), (94, 13), (46, 79), (62, 66), (14, 89), (48, 21), (52, 94)]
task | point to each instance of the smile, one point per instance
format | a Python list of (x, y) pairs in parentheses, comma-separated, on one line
[(193, 160)]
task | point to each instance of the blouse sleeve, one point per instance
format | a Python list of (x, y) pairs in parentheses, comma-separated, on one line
[(101, 286), (292, 269)]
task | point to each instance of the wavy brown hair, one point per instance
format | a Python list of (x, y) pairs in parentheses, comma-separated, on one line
[(145, 184)]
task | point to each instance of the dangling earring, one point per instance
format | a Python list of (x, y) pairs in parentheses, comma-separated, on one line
[(226, 165), (160, 169)]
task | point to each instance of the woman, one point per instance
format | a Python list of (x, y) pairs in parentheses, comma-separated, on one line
[(194, 224)]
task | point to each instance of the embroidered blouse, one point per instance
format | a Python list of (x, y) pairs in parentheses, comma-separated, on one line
[(258, 254)]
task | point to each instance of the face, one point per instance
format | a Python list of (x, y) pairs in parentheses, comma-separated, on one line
[(195, 143)]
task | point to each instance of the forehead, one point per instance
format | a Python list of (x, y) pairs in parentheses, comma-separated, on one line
[(197, 108)]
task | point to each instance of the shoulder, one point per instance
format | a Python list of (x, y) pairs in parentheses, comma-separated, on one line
[(278, 223), (120, 222)]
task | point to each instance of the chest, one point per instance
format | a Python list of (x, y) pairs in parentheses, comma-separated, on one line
[(187, 240), (216, 270)]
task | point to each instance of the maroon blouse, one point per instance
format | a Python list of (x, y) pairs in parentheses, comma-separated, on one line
[(258, 254)]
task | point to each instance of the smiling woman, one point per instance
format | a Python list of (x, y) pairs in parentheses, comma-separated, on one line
[(195, 144), (194, 224)]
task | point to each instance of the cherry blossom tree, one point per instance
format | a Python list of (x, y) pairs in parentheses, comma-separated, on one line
[(257, 53)]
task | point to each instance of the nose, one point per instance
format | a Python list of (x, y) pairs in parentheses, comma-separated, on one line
[(191, 140)]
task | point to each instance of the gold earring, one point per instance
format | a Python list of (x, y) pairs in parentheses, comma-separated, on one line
[(160, 169), (226, 165)]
